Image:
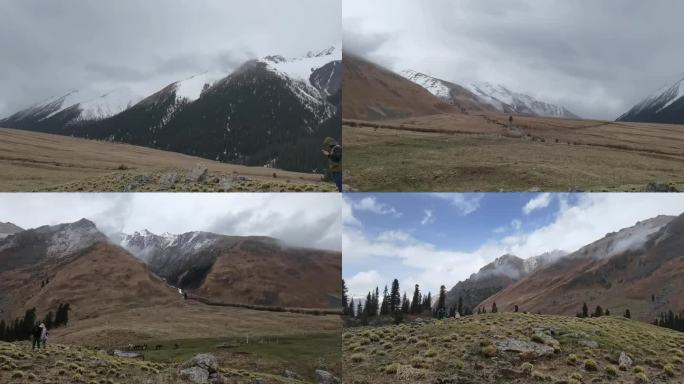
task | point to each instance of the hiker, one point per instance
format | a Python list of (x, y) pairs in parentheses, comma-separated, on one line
[(36, 333), (333, 152), (43, 335)]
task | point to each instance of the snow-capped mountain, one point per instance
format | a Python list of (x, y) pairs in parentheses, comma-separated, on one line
[(74, 106), (507, 101), (664, 106), (485, 96), (270, 109), (49, 242)]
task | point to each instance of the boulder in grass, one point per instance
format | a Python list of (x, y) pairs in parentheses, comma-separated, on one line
[(325, 377), (195, 375)]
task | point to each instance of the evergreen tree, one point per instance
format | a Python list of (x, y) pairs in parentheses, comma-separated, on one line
[(452, 312), (416, 303), (395, 297), (369, 305), (376, 302), (48, 320), (345, 300), (351, 308), (598, 312), (2, 330), (585, 310), (359, 310), (460, 306), (607, 312), (516, 309), (494, 309), (441, 302), (427, 302), (628, 314), (27, 323), (384, 308), (405, 304)]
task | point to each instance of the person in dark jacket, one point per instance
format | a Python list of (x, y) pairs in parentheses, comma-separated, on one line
[(333, 152), (36, 334)]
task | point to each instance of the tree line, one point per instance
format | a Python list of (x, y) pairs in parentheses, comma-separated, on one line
[(393, 303), (671, 320), (22, 328)]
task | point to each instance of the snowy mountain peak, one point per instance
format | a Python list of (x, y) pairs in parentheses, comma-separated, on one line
[(505, 100), (433, 85), (300, 68), (660, 106), (191, 88)]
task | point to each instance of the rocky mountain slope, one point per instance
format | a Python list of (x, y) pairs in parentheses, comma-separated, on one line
[(372, 92), (664, 106), (449, 92), (73, 263), (8, 228), (246, 270), (269, 111), (640, 268), (494, 277)]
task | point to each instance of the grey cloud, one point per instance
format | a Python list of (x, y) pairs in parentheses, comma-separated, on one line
[(598, 58), (49, 47)]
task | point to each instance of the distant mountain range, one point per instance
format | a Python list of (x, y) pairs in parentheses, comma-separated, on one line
[(485, 96), (76, 263), (664, 106), (269, 111), (640, 268)]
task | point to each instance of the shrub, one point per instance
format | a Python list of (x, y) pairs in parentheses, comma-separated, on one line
[(572, 359), (611, 370), (489, 351), (358, 357), (590, 365), (669, 370), (641, 378)]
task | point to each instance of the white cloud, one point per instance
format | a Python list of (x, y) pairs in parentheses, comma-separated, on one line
[(516, 224), (539, 202), (364, 282), (348, 214), (466, 203), (429, 218), (370, 204)]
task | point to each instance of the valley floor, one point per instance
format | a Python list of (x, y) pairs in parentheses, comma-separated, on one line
[(514, 348), (248, 345), (31, 161), (456, 152)]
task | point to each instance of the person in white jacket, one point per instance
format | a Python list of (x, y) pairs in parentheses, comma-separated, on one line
[(43, 335)]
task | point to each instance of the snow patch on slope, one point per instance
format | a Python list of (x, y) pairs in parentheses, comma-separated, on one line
[(431, 84)]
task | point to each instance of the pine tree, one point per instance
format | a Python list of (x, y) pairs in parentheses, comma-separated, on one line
[(598, 312), (376, 302), (607, 312), (384, 308), (515, 309), (427, 302), (416, 303), (2, 330), (359, 310), (452, 312), (351, 308), (585, 310), (628, 314), (460, 306), (345, 299), (441, 302), (405, 304), (48, 320), (494, 309), (369, 305), (395, 297)]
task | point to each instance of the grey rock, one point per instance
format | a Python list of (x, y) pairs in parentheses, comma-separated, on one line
[(138, 181), (624, 360), (206, 361), (660, 187), (292, 375), (524, 347), (168, 180), (589, 343), (195, 375), (217, 378), (197, 174), (325, 377), (226, 182)]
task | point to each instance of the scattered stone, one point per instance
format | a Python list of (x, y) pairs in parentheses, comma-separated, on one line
[(197, 174), (624, 360), (589, 343), (137, 181), (132, 355), (526, 348), (196, 375), (226, 182), (660, 187), (292, 375), (217, 378), (206, 361), (168, 180), (325, 377)]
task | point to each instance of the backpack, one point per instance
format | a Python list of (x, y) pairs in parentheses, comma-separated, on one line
[(336, 153)]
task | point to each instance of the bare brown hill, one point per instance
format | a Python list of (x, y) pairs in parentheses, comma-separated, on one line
[(640, 268), (99, 279), (373, 92), (255, 271)]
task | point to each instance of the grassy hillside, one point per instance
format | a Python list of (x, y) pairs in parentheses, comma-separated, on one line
[(477, 349), (71, 364)]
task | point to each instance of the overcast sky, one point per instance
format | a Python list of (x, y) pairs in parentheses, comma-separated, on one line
[(48, 47), (306, 219), (432, 238), (596, 58)]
